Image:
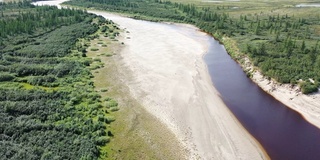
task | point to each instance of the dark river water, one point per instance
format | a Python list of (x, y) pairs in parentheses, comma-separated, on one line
[(283, 132)]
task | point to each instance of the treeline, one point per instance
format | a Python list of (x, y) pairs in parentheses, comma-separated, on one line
[(135, 7), (48, 106), (46, 18), (283, 47), (14, 4)]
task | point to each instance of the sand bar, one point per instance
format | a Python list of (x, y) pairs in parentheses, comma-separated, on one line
[(169, 77)]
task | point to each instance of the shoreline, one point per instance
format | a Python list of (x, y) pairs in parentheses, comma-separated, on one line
[(290, 95), (308, 106)]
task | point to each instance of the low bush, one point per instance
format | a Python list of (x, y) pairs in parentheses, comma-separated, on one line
[(308, 87), (94, 49)]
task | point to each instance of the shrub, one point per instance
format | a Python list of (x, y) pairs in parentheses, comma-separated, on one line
[(93, 96), (93, 67), (104, 90), (104, 28), (113, 109), (101, 141), (115, 34), (107, 99), (6, 77), (112, 103), (94, 49), (109, 119), (108, 54), (86, 62), (308, 87), (97, 59), (41, 80)]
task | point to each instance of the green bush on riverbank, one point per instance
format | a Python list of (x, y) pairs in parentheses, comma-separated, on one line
[(283, 46), (48, 106)]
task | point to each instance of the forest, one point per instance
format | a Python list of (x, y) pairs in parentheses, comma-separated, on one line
[(48, 106), (284, 47)]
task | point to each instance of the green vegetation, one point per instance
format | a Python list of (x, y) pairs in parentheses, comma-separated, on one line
[(48, 104), (282, 43), (94, 49)]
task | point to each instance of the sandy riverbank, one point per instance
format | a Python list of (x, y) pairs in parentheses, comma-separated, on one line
[(291, 96), (307, 105), (170, 79)]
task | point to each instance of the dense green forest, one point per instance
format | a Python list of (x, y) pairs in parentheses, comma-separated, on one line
[(284, 47), (48, 106)]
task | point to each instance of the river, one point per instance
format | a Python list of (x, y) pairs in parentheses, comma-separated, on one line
[(282, 132)]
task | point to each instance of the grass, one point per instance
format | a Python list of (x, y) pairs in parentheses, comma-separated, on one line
[(29, 87)]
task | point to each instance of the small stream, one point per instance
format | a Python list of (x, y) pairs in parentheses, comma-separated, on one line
[(283, 132)]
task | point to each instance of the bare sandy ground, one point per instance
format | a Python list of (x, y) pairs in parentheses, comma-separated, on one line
[(170, 79)]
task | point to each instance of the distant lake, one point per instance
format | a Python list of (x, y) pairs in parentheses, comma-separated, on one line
[(213, 1), (308, 5)]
